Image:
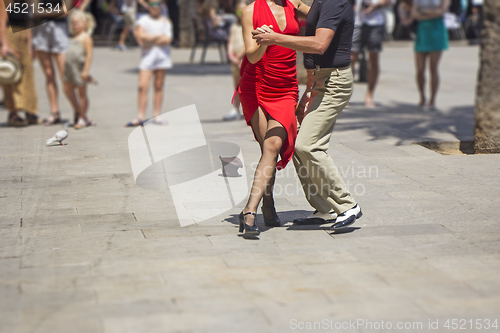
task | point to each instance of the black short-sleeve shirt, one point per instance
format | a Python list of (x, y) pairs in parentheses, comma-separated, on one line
[(337, 15)]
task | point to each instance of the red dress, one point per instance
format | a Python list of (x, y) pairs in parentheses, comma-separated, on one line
[(271, 83)]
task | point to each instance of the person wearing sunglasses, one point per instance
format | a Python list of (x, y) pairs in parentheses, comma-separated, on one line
[(154, 34)]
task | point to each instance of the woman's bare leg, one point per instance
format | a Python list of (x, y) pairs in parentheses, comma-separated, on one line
[(272, 135), (420, 75), (434, 58), (84, 101), (50, 79), (59, 59), (69, 90), (236, 82), (144, 78), (158, 90)]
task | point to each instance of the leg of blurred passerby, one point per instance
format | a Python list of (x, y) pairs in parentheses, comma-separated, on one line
[(142, 98), (83, 120), (84, 101), (420, 62), (49, 71), (144, 79), (354, 61), (50, 41), (69, 90), (235, 54), (236, 82), (235, 112), (373, 70), (158, 90), (123, 37), (434, 58), (129, 17)]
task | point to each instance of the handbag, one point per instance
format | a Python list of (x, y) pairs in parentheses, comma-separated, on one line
[(11, 70)]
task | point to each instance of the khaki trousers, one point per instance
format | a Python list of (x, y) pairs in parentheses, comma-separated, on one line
[(328, 92)]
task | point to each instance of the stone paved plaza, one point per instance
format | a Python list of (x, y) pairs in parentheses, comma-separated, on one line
[(84, 249)]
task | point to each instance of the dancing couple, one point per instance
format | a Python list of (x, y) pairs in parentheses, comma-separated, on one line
[(268, 92)]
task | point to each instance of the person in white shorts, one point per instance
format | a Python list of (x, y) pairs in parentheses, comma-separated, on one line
[(154, 34)]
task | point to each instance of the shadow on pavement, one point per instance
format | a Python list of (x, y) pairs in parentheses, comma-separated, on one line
[(407, 122)]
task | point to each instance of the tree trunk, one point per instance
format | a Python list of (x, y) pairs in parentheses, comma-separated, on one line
[(487, 127), (186, 28)]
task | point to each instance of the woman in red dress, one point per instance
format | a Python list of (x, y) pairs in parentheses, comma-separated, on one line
[(269, 92)]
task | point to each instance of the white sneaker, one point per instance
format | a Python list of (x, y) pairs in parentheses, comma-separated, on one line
[(233, 114), (347, 218)]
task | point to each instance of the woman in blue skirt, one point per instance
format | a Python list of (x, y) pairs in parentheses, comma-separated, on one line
[(431, 41)]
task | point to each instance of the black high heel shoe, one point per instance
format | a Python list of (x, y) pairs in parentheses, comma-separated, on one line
[(248, 229), (271, 222)]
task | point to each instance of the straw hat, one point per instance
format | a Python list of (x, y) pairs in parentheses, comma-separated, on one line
[(11, 70)]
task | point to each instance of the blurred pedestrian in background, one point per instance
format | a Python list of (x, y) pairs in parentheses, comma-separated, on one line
[(77, 66), (127, 9), (235, 54), (431, 41), (15, 39), (174, 12), (218, 24), (474, 20), (50, 40), (154, 33), (369, 33), (405, 27)]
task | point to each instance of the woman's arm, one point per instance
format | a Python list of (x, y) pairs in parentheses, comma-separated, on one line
[(166, 37), (88, 45), (143, 37), (254, 51), (302, 9), (430, 14), (138, 34), (415, 13), (440, 11)]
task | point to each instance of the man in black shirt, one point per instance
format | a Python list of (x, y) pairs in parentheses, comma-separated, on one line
[(327, 49)]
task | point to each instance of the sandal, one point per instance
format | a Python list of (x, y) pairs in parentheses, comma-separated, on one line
[(33, 119), (134, 123), (53, 119), (82, 123), (15, 121)]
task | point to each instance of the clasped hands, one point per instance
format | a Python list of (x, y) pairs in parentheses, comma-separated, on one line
[(264, 35)]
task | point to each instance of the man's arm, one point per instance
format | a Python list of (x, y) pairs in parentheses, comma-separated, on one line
[(316, 44)]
